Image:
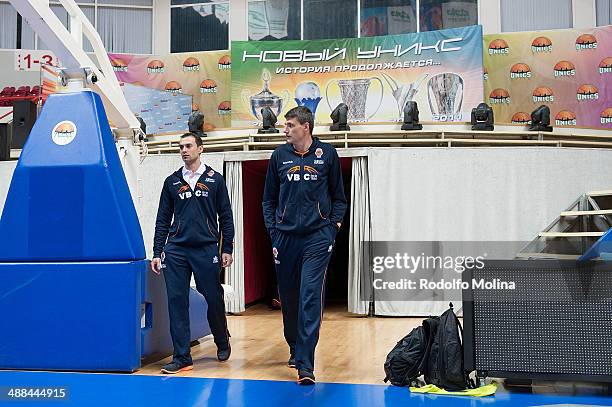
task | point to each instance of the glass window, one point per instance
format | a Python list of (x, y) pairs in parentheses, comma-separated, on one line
[(181, 2), (274, 20), (440, 14), (542, 15), (90, 13), (126, 30), (387, 17), (62, 14), (201, 27), (330, 19), (28, 36), (8, 26), (125, 2), (604, 12)]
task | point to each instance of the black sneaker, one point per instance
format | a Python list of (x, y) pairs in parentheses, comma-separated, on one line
[(223, 354), (291, 362), (175, 367), (305, 377)]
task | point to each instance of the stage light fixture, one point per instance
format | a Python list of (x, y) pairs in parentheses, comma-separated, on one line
[(411, 116), (196, 123), (482, 117), (269, 121), (339, 117), (540, 119), (143, 128)]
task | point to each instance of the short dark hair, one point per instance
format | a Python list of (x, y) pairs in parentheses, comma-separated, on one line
[(303, 115), (197, 138), (196, 121)]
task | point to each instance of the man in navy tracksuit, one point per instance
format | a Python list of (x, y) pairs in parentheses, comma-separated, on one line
[(303, 207), (186, 241)]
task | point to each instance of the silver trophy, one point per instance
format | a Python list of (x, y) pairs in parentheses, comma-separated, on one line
[(354, 93), (445, 93), (403, 92), (265, 98)]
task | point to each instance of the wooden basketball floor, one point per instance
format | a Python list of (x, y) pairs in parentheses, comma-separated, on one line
[(351, 349)]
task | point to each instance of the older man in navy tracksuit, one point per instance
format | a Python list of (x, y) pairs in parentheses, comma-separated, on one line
[(303, 207)]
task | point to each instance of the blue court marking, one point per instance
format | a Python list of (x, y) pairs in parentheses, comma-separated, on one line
[(92, 389)]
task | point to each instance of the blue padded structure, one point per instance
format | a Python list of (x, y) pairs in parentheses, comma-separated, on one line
[(75, 290), (71, 316), (70, 202), (156, 340), (602, 248)]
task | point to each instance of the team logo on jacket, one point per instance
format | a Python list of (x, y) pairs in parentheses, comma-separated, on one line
[(201, 189), (215, 259), (319, 152), (310, 173), (184, 192)]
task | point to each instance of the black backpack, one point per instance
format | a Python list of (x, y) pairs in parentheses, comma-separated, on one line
[(444, 366), (407, 359)]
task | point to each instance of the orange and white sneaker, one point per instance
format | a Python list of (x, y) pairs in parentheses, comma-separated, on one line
[(175, 367), (305, 377)]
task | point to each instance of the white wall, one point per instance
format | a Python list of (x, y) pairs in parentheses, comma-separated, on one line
[(11, 77), (474, 194), (584, 13), (153, 171), (239, 30), (161, 27), (478, 194), (6, 173)]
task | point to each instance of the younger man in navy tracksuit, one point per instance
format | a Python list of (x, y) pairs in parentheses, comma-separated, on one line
[(186, 237), (303, 207)]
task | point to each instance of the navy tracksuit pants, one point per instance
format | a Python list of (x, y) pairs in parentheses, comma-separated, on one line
[(301, 267), (205, 264)]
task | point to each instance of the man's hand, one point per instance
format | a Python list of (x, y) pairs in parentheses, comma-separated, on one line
[(226, 260), (156, 265)]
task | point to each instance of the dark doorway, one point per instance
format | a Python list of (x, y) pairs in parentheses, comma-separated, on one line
[(259, 275)]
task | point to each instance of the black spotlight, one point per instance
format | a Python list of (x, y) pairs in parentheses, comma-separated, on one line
[(482, 117), (411, 116), (540, 119), (338, 117), (143, 127), (269, 121), (196, 123)]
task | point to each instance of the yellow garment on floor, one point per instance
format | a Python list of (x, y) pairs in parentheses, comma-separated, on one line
[(487, 390)]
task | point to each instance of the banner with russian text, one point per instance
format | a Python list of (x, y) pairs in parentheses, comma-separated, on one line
[(570, 71), (164, 90), (374, 76)]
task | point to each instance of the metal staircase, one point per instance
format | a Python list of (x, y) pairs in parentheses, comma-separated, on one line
[(577, 229)]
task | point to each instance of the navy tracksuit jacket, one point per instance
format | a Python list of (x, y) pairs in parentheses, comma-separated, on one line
[(302, 203), (189, 243)]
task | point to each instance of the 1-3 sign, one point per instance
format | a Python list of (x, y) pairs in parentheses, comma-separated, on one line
[(30, 60)]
